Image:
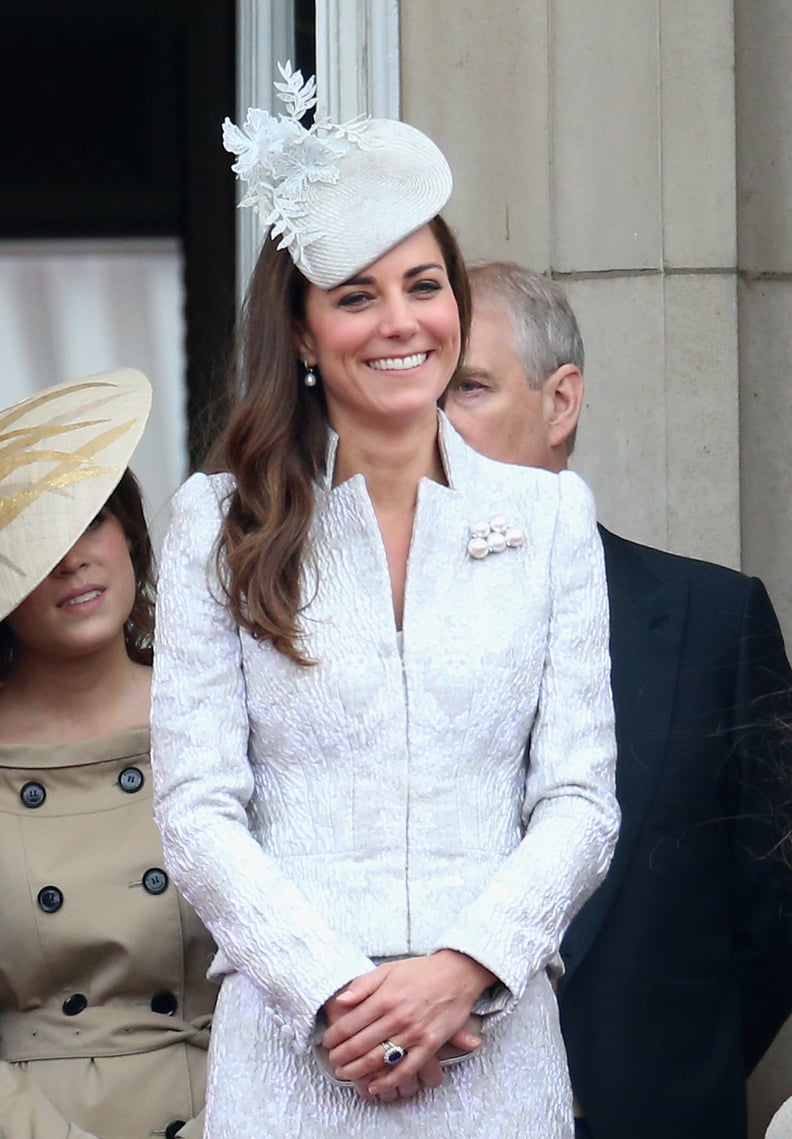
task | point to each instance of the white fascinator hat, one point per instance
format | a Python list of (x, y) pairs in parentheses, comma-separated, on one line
[(338, 195), (62, 454)]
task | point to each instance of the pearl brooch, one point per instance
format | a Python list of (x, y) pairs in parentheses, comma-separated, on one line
[(493, 537)]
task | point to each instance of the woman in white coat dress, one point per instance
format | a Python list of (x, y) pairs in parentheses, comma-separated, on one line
[(361, 625)]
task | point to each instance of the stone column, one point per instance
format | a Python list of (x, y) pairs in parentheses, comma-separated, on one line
[(764, 213), (596, 142), (764, 168)]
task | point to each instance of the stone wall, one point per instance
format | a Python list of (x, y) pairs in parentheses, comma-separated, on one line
[(640, 151)]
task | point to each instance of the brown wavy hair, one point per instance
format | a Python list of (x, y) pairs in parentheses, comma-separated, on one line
[(126, 503), (274, 445)]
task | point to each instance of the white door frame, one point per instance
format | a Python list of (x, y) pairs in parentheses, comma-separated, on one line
[(357, 73), (357, 58), (265, 35)]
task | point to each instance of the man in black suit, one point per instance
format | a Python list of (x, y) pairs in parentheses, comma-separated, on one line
[(679, 969)]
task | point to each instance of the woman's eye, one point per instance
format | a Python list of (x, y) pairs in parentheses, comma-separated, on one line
[(96, 522), (353, 300), (427, 287)]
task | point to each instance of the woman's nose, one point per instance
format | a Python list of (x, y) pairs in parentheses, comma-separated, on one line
[(73, 560), (398, 318)]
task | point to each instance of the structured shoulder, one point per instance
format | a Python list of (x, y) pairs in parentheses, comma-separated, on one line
[(717, 603), (202, 490), (197, 510), (479, 479), (576, 494), (676, 568)]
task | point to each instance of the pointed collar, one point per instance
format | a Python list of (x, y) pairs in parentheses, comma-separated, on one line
[(457, 458)]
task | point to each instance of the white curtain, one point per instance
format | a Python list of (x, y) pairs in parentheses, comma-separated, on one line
[(69, 308)]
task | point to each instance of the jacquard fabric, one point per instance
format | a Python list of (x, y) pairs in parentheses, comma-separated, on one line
[(379, 805)]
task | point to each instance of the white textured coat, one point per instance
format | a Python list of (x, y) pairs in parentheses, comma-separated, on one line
[(381, 803)]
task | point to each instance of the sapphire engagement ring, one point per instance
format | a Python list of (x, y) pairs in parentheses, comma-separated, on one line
[(394, 1053)]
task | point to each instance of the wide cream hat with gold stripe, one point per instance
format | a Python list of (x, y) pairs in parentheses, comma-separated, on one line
[(62, 454)]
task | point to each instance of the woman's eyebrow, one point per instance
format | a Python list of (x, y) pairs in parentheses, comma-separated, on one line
[(409, 274), (352, 281), (422, 269)]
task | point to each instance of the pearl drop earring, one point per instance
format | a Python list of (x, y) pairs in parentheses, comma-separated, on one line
[(310, 375)]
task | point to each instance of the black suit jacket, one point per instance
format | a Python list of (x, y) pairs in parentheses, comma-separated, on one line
[(679, 968)]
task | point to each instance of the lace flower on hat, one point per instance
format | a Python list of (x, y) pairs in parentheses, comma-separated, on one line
[(279, 158)]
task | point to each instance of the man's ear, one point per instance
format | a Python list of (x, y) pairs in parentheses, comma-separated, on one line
[(564, 391)]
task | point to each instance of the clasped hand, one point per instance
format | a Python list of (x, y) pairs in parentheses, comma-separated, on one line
[(421, 1003)]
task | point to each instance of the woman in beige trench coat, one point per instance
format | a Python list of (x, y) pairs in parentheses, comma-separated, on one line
[(104, 1005)]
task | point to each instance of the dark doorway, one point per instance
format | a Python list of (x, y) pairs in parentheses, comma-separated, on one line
[(114, 131), (305, 36)]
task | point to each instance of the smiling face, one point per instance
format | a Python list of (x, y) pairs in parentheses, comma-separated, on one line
[(387, 341), (82, 605)]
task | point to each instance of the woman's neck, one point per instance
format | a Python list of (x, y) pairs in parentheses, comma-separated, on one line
[(392, 462), (46, 699)]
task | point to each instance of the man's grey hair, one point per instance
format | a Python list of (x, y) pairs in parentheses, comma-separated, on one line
[(546, 333)]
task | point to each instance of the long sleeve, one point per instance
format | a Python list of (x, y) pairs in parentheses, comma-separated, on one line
[(25, 1113), (758, 787), (515, 925), (264, 926)]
